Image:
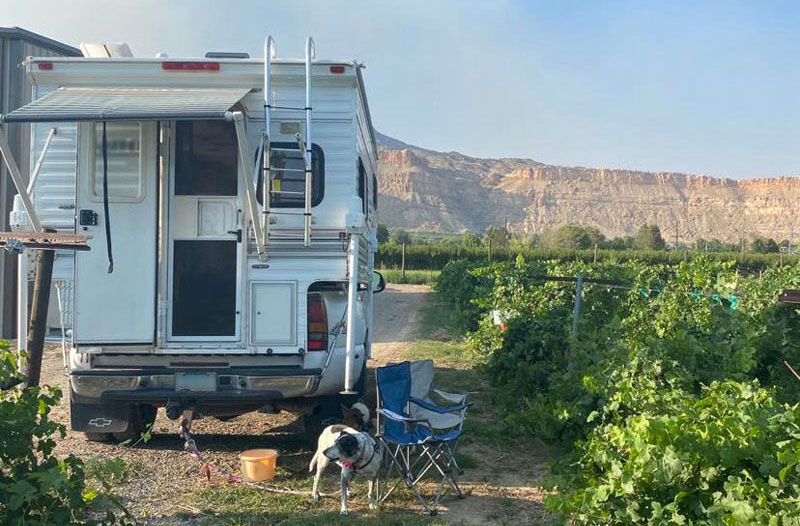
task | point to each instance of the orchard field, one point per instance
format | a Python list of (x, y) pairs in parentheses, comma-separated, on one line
[(668, 400)]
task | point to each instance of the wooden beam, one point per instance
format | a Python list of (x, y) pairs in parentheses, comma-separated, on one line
[(789, 296)]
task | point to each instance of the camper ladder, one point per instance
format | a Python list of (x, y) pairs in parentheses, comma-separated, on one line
[(269, 189)]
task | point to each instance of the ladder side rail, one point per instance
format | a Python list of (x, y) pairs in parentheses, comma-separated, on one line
[(311, 52), (266, 176)]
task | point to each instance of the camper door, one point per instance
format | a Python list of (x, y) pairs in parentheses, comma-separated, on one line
[(116, 307), (206, 233)]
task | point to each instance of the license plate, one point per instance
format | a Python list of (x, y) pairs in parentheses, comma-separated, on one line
[(195, 382)]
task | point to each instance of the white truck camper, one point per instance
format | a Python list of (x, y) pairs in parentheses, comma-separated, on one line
[(231, 209)]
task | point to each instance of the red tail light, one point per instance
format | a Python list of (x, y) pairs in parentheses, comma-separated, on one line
[(44, 66), (191, 66), (337, 69), (317, 323)]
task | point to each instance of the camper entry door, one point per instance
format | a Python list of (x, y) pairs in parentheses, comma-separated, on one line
[(205, 233), (116, 307)]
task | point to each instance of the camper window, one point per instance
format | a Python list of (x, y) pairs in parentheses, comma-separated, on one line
[(374, 192), (288, 177), (206, 158), (123, 148), (362, 186)]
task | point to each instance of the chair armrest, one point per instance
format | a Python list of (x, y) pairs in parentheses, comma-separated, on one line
[(397, 417), (439, 409), (456, 398)]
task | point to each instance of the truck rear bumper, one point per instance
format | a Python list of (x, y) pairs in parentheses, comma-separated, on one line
[(158, 385)]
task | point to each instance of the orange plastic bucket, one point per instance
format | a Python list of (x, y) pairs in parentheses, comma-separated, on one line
[(258, 464)]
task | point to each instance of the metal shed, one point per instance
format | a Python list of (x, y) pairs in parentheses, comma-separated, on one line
[(15, 91)]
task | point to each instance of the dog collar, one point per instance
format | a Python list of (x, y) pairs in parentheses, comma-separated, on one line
[(353, 466)]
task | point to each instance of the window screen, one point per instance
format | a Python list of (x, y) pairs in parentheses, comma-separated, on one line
[(289, 178), (123, 150), (206, 158)]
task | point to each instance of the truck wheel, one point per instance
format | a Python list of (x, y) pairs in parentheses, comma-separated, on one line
[(142, 418)]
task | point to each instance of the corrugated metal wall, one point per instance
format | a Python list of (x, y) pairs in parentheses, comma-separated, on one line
[(15, 90)]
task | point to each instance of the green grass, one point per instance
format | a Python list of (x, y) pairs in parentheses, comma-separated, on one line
[(413, 277), (240, 505)]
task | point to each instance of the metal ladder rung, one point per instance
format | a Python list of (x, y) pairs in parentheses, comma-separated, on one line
[(279, 149), (301, 170), (291, 192), (289, 108), (301, 214)]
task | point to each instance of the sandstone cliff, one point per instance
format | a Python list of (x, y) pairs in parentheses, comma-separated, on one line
[(449, 192)]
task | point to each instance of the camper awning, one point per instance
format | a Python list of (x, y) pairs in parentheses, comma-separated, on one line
[(134, 104)]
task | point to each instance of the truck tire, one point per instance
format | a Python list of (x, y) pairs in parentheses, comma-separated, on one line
[(143, 417)]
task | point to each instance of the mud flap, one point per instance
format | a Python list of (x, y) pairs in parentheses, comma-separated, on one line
[(99, 418)]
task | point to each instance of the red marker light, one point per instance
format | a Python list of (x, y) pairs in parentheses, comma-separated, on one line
[(44, 66), (337, 69), (190, 66)]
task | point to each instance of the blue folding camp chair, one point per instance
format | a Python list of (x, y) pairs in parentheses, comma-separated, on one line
[(411, 446)]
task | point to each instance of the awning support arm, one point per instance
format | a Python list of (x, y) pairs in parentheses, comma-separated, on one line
[(38, 166), (249, 183), (22, 190)]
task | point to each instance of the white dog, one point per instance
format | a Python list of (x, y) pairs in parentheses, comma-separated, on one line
[(356, 452)]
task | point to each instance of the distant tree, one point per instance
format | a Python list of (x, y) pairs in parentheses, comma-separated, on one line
[(567, 236), (771, 246), (764, 245), (620, 243), (383, 234), (470, 239), (649, 238), (533, 241), (499, 236), (400, 236)]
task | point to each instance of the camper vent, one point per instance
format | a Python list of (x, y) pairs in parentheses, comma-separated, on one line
[(226, 54)]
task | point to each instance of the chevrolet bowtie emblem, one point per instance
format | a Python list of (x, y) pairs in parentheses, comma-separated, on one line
[(100, 422)]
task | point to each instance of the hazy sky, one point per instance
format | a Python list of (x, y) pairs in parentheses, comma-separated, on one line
[(706, 87)]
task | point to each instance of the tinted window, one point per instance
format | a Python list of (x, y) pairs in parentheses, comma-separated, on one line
[(362, 186), (289, 176), (374, 192), (205, 158)]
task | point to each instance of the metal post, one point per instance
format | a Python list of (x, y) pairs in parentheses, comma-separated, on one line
[(403, 264), (576, 313), (22, 303), (38, 325), (352, 295)]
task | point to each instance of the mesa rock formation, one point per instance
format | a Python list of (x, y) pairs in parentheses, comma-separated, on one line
[(449, 192)]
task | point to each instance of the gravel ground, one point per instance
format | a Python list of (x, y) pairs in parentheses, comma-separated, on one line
[(163, 477), (163, 480)]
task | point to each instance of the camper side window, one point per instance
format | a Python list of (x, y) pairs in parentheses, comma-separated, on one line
[(123, 151), (289, 177), (362, 187), (374, 192)]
